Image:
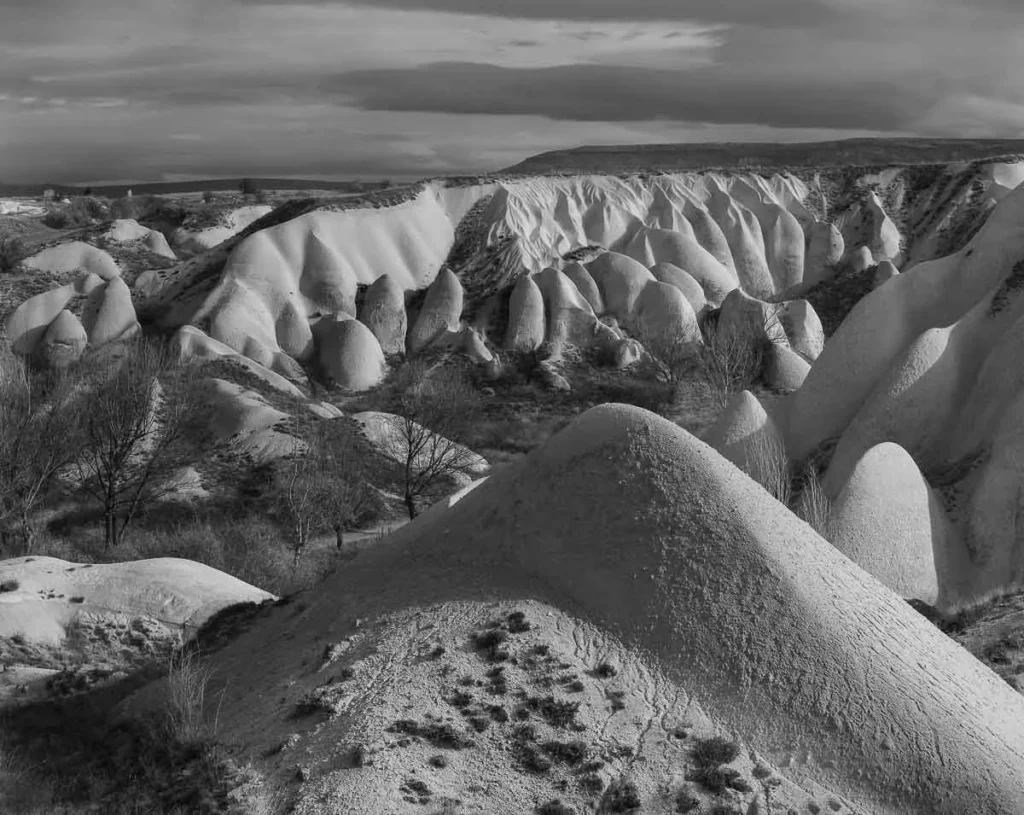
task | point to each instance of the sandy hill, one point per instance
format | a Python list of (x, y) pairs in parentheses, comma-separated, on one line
[(746, 620)]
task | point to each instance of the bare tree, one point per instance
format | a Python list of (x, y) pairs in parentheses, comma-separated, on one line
[(732, 359), (37, 440), (434, 405), (323, 484), (674, 355), (136, 432)]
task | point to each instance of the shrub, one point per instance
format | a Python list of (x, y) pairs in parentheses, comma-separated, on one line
[(185, 696), (207, 197), (13, 251), (715, 751), (815, 507), (9, 585), (621, 796), (768, 465)]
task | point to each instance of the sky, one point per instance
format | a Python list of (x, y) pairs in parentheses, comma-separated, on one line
[(95, 91)]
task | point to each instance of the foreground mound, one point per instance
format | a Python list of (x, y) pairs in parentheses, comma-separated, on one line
[(46, 596), (646, 532)]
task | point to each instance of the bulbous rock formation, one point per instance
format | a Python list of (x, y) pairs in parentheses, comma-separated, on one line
[(662, 311), (784, 369), (620, 279), (110, 315), (586, 285), (442, 310), (674, 276), (887, 520), (525, 316), (825, 250), (350, 354), (64, 341), (803, 328), (383, 312)]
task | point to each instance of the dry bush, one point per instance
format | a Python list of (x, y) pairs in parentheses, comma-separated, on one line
[(20, 789), (730, 363), (185, 689), (815, 507), (768, 465), (674, 355)]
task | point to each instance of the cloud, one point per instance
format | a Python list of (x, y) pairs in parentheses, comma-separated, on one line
[(103, 88), (742, 12), (628, 94)]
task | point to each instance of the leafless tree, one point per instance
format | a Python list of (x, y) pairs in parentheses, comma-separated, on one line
[(141, 422), (434, 405), (323, 484), (731, 360), (37, 440), (673, 354)]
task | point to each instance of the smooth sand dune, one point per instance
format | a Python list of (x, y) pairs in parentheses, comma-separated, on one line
[(649, 533)]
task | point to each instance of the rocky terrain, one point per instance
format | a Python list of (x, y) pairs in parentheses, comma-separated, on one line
[(798, 589)]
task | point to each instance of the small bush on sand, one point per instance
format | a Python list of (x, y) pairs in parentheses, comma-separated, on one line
[(768, 465), (814, 506), (9, 585), (185, 691)]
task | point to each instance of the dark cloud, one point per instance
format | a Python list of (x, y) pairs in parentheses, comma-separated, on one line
[(747, 12), (624, 94)]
